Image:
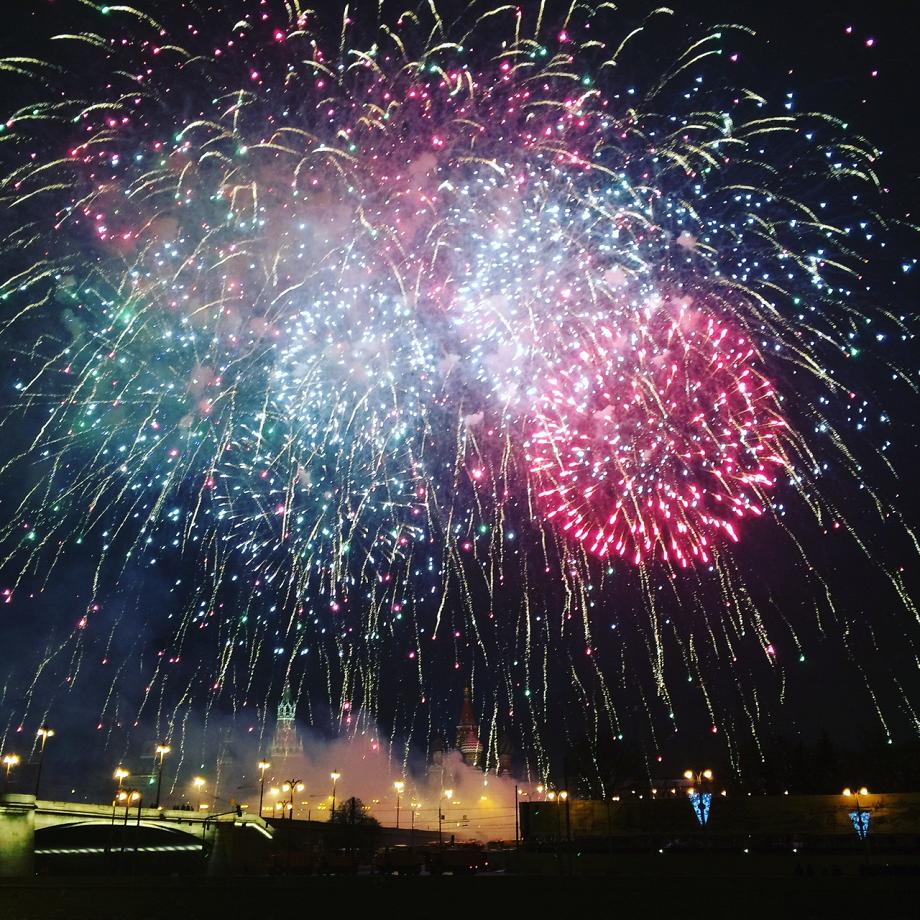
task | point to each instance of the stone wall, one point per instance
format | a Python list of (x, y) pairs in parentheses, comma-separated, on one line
[(739, 815)]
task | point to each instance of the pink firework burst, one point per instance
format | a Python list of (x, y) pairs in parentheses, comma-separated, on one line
[(658, 435)]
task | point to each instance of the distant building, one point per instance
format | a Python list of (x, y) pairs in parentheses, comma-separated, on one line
[(286, 742), (468, 742), (436, 766)]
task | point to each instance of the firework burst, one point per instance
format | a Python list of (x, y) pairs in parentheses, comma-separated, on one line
[(377, 327)]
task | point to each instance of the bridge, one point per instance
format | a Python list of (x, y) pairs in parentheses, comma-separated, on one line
[(50, 830)]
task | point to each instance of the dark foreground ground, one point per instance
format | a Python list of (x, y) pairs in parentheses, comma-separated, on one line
[(513, 897)]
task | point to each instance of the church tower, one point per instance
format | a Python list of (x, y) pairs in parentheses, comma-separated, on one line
[(468, 733), (286, 742)]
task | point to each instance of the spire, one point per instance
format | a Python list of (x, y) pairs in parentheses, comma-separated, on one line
[(286, 742), (466, 713), (468, 732), (286, 708)]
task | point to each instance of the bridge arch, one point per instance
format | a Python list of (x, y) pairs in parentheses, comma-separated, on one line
[(89, 846)]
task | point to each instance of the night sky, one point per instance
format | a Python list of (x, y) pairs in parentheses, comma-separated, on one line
[(154, 638)]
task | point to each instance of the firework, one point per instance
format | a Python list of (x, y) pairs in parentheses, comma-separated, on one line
[(370, 329), (657, 434)]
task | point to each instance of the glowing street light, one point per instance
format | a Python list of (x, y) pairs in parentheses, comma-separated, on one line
[(860, 817), (10, 761), (292, 786), (161, 751), (445, 794), (263, 766), (699, 776), (128, 797), (198, 783), (121, 774), (399, 786), (335, 776), (44, 733)]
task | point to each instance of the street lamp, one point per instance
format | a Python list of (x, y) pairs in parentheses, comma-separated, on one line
[(161, 751), (292, 786), (121, 774), (120, 796), (860, 817), (10, 761), (44, 733), (399, 786), (445, 794), (564, 799), (128, 797), (700, 801), (335, 776), (698, 776), (517, 808), (263, 766), (198, 783)]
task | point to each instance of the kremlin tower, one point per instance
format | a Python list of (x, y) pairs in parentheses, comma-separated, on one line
[(286, 742), (468, 742)]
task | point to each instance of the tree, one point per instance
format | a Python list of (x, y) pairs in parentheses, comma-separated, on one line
[(354, 812), (354, 828)]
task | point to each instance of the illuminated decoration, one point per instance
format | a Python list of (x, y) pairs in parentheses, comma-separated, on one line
[(860, 819), (374, 353), (701, 802)]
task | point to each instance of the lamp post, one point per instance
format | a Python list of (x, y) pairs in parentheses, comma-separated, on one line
[(335, 776), (517, 807), (121, 774), (445, 794), (198, 783), (44, 733), (9, 761), (161, 751), (119, 793), (399, 786), (137, 796), (127, 797), (698, 776), (551, 796), (860, 817), (292, 786), (700, 801), (263, 766)]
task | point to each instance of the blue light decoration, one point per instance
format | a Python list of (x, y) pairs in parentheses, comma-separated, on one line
[(700, 803), (860, 819)]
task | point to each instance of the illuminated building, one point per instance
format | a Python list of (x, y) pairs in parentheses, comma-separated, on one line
[(286, 742)]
